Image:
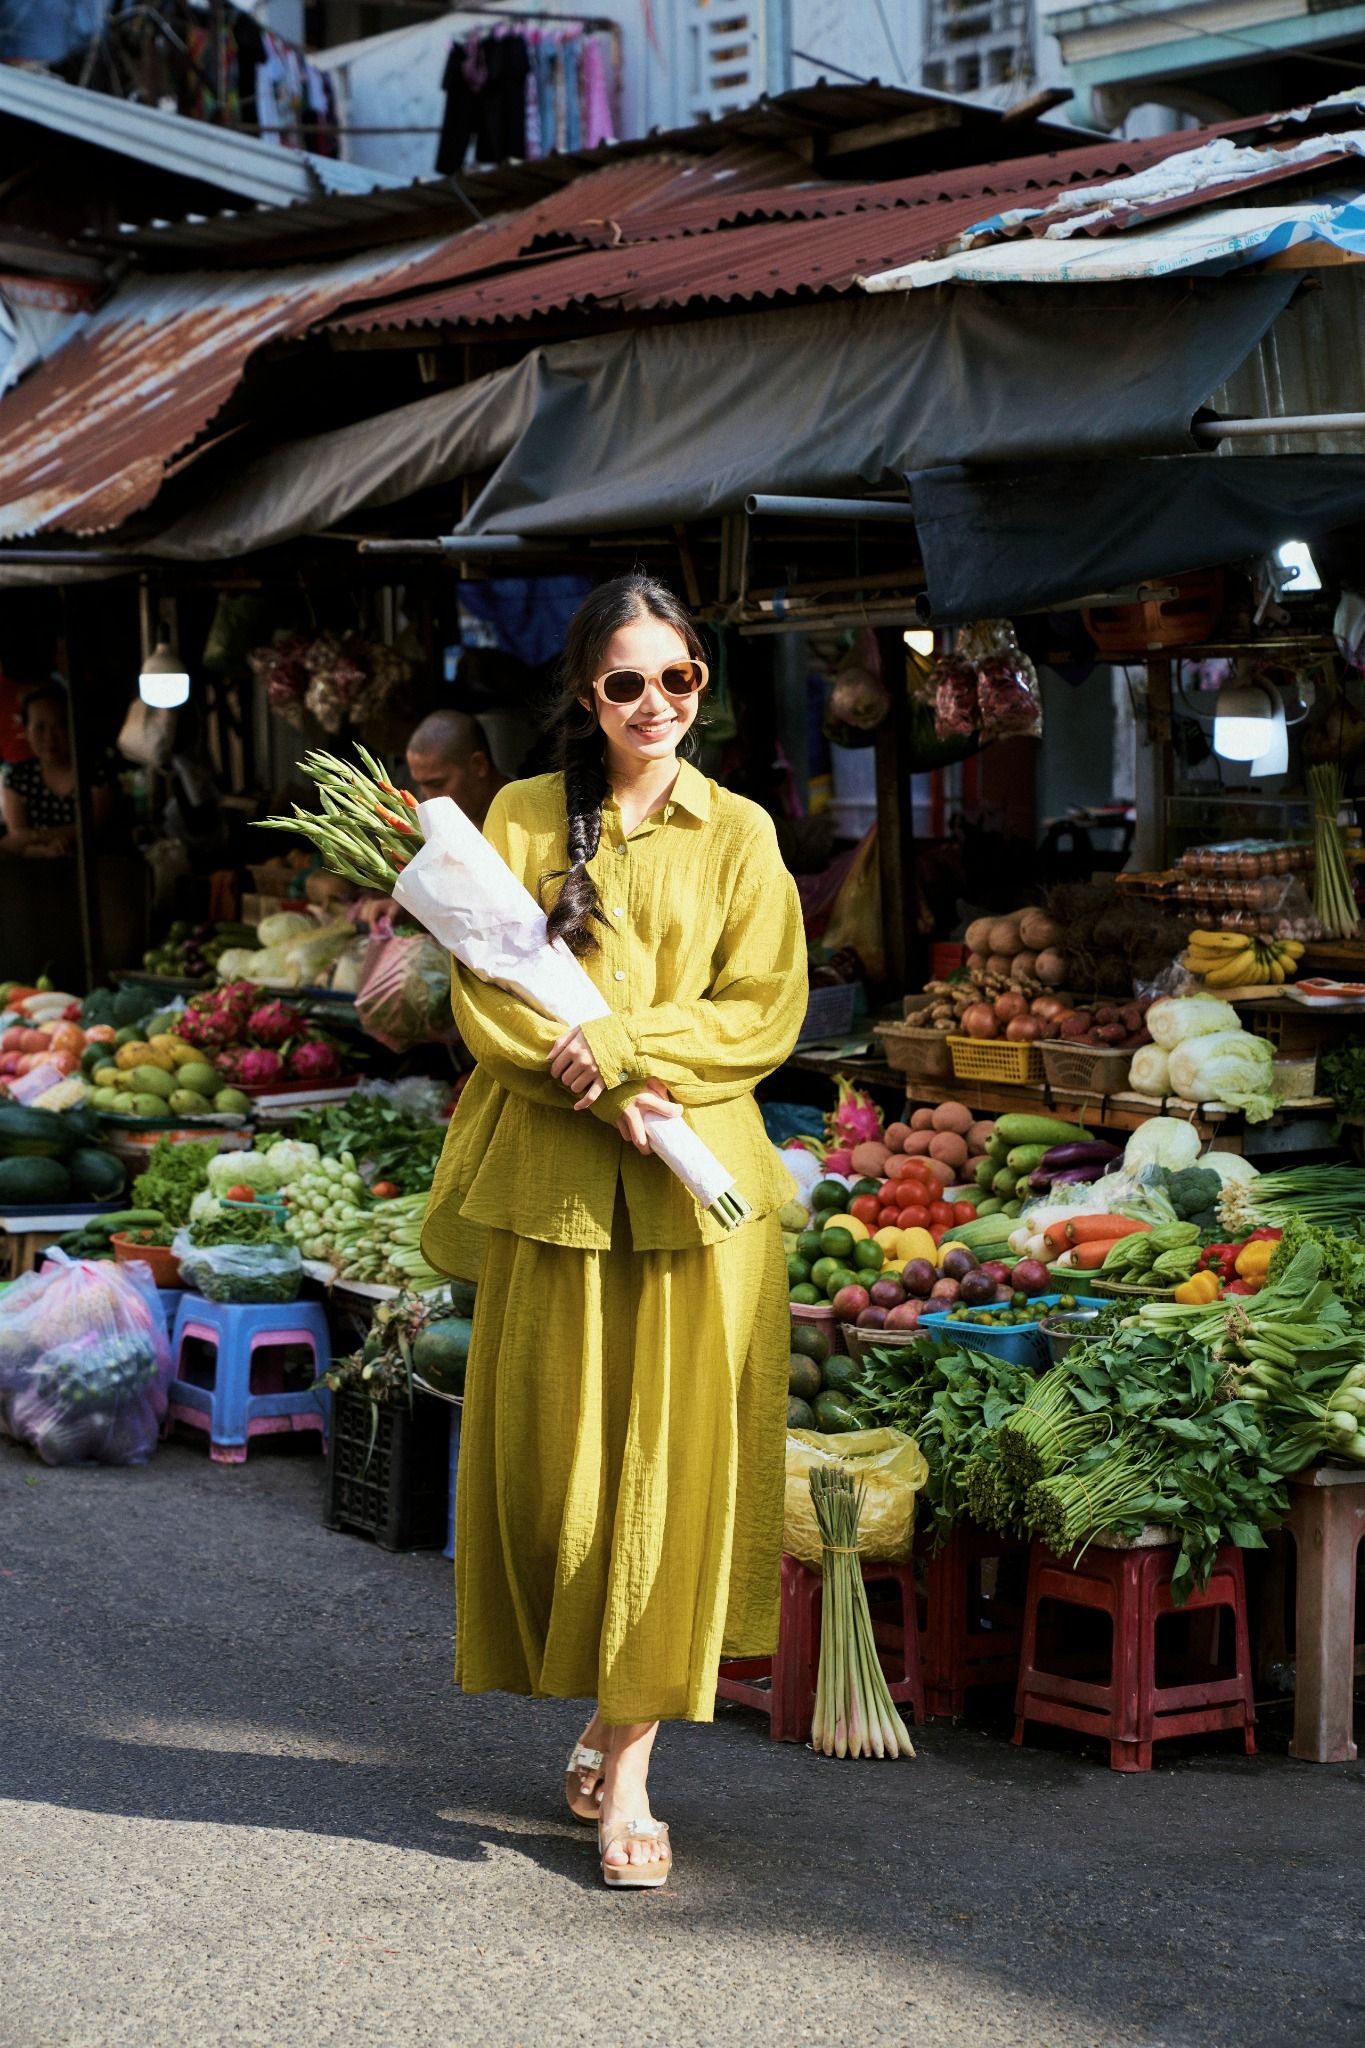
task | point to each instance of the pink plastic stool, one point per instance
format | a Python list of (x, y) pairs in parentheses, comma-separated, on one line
[(232, 1410)]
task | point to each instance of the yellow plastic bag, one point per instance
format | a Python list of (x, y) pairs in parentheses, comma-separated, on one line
[(890, 1465)]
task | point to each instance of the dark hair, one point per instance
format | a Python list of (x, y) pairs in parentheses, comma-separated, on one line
[(451, 736), (580, 750), (46, 693)]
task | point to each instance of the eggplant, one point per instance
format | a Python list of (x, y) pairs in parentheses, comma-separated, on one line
[(1047, 1178), (1063, 1156)]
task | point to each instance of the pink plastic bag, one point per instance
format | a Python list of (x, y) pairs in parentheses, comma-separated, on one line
[(85, 1367), (404, 993)]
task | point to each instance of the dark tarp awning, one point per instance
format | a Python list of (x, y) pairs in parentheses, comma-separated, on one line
[(682, 421), (1020, 539)]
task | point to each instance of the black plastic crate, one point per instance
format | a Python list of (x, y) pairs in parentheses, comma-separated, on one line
[(388, 1471)]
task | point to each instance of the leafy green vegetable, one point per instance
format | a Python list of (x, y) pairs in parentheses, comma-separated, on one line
[(388, 1142), (1343, 1071), (174, 1175), (259, 1224), (1192, 1190)]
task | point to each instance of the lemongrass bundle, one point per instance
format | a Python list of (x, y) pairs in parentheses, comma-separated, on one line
[(854, 1713), (1334, 905)]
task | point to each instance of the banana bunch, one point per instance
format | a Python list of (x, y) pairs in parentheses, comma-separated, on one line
[(1231, 959)]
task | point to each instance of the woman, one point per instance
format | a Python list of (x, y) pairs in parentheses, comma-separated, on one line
[(40, 794), (619, 1508)]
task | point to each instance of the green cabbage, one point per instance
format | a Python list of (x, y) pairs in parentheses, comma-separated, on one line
[(246, 1169), (1162, 1141), (1176, 1018), (1227, 1066)]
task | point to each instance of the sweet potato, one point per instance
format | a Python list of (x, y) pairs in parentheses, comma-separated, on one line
[(922, 1120), (949, 1147), (952, 1116), (896, 1135)]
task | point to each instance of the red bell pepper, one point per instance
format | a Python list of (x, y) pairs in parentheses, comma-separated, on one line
[(1220, 1259), (1240, 1287)]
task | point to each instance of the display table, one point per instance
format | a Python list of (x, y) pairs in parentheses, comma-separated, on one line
[(29, 1231)]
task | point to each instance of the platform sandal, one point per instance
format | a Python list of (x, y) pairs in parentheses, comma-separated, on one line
[(634, 1876), (583, 1805)]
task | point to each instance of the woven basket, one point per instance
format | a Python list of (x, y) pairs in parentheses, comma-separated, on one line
[(1085, 1069), (995, 1059), (919, 1055)]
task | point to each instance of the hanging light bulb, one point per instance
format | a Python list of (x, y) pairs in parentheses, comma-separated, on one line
[(919, 640), (164, 681), (1295, 557), (1244, 722), (1275, 759)]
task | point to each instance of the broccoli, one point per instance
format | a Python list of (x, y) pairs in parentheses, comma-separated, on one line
[(1192, 1190)]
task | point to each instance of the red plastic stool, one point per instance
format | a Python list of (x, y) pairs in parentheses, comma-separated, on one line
[(973, 1626), (1327, 1517), (788, 1699), (1128, 1707)]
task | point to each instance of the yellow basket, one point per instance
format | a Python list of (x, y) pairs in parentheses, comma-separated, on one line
[(995, 1059)]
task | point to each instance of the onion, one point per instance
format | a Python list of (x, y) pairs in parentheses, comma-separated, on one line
[(1047, 1006), (1025, 965), (980, 1021), (1050, 968), (1011, 1004), (1023, 1030)]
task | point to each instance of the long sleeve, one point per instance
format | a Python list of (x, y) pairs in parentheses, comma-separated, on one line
[(721, 1046)]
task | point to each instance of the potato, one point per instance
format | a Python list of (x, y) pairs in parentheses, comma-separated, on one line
[(977, 936), (1001, 964), (1025, 967), (952, 1116), (944, 1174), (917, 1144), (979, 1136), (949, 1147), (869, 1159), (922, 1120), (1050, 968), (896, 1135), (976, 964), (1005, 937)]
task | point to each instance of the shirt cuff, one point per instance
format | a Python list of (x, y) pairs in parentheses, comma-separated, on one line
[(613, 1048)]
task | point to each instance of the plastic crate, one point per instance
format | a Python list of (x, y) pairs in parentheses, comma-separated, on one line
[(995, 1059), (1085, 1069), (919, 1055), (1182, 620), (830, 1011), (1021, 1344), (388, 1470)]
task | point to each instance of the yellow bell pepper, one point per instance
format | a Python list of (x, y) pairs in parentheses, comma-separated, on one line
[(1198, 1290), (1253, 1258)]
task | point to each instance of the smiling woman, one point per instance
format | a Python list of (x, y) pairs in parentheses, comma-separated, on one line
[(619, 1510)]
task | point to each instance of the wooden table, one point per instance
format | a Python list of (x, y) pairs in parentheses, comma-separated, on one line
[(29, 1232)]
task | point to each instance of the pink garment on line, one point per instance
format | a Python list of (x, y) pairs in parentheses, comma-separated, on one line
[(597, 116)]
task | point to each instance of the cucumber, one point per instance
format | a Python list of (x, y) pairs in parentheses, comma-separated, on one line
[(985, 1171), (1005, 1182), (1023, 1158), (985, 1230), (1017, 1128), (990, 1207)]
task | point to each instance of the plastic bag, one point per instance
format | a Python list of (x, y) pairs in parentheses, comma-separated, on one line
[(239, 1272), (85, 1367), (888, 1463), (404, 993)]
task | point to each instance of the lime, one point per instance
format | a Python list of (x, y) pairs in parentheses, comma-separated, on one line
[(804, 1381), (809, 1342), (837, 1244), (828, 1194), (821, 1271), (804, 1294), (808, 1245), (842, 1276), (797, 1271), (866, 1187), (868, 1257)]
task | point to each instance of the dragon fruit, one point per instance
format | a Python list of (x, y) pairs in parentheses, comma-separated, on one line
[(219, 1016), (315, 1060), (272, 1023), (252, 1066), (854, 1120)]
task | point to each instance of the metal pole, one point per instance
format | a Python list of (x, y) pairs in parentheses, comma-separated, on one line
[(465, 544), (764, 506), (87, 869), (1290, 423)]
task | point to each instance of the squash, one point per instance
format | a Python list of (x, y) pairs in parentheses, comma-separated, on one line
[(29, 1182)]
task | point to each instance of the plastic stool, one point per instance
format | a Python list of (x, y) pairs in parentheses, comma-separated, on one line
[(1129, 1708), (789, 1698), (1327, 1519), (230, 1410), (170, 1299), (972, 1635)]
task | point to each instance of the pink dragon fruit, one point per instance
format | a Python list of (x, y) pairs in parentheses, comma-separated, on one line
[(251, 1066), (314, 1060), (274, 1022), (853, 1121)]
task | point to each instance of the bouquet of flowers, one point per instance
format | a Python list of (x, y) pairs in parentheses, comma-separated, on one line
[(443, 871)]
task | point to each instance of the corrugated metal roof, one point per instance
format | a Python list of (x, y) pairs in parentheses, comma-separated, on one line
[(87, 437), (245, 165)]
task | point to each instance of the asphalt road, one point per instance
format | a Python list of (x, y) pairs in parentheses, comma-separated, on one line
[(243, 1804)]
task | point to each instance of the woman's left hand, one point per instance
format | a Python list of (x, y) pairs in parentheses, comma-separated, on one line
[(652, 1102), (572, 1062)]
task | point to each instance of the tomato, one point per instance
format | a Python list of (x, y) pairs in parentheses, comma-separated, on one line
[(940, 1215), (384, 1190), (867, 1209), (918, 1170), (964, 1212), (241, 1193), (938, 1233), (915, 1217)]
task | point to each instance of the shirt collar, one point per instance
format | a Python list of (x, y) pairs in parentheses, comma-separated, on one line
[(692, 792)]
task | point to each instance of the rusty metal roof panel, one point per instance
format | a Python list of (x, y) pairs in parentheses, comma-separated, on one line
[(87, 438)]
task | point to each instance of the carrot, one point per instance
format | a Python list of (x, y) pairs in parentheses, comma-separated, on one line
[(1086, 1257), (1088, 1229)]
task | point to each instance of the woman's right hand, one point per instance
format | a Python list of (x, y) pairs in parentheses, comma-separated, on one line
[(652, 1102)]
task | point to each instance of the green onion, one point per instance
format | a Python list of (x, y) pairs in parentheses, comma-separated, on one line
[(854, 1714), (1334, 905)]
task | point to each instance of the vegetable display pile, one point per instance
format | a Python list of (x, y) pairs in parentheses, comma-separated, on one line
[(1200, 1053), (173, 1176), (254, 1040), (391, 1144)]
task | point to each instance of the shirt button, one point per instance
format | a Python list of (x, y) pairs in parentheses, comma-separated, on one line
[(618, 910), (620, 974), (621, 850)]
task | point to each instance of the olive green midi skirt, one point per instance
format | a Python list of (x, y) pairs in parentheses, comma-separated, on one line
[(620, 1492)]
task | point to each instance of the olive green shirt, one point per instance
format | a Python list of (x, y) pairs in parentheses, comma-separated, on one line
[(703, 963)]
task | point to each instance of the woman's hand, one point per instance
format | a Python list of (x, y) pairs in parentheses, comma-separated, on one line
[(650, 1104), (572, 1062)]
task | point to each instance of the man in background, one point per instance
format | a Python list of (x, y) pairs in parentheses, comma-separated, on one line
[(449, 755)]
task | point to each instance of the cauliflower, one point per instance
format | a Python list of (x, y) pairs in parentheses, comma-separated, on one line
[(205, 1203), (291, 1157), (247, 1169)]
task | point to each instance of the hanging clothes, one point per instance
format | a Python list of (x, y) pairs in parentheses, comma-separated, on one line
[(534, 146), (485, 83), (599, 123), (570, 52)]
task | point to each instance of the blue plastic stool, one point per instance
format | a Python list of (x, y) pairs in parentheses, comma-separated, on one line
[(230, 1410), (457, 1410), (170, 1298)]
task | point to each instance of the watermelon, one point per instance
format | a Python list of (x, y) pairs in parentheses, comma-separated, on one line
[(96, 1175), (29, 1182)]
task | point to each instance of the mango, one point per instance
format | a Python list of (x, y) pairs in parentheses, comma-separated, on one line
[(232, 1102), (183, 1054), (189, 1102), (151, 1080), (105, 1098), (131, 1055), (199, 1076), (124, 1102), (148, 1105), (107, 1077)]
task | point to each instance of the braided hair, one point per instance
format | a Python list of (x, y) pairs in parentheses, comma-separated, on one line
[(579, 748)]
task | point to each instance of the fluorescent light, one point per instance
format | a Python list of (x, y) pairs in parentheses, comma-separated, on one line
[(164, 682), (1244, 722), (918, 642), (1294, 556)]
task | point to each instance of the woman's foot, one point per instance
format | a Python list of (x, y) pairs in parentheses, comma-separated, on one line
[(631, 1838), (586, 1769)]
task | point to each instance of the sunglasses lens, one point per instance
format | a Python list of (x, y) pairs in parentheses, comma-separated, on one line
[(623, 685), (681, 679)]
